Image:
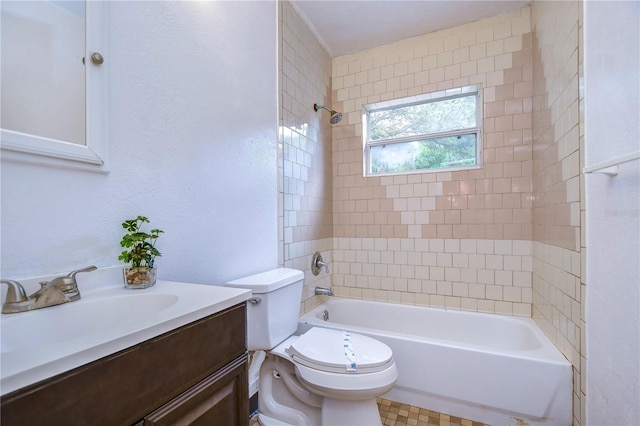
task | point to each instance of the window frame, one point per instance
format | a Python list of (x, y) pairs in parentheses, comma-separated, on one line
[(438, 96)]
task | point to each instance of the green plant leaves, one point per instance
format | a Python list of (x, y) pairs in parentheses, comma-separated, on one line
[(142, 251)]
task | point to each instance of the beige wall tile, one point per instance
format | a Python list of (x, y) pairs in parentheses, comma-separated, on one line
[(556, 222), (464, 239), (305, 161)]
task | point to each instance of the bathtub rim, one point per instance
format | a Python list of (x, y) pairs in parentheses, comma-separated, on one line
[(547, 352)]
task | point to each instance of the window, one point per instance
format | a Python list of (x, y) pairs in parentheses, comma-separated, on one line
[(432, 132)]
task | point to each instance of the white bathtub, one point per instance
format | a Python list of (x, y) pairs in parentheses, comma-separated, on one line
[(496, 369)]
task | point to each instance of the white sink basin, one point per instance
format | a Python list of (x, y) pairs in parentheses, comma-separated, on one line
[(76, 320), (39, 344)]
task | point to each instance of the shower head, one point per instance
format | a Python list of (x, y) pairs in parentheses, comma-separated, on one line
[(335, 115)]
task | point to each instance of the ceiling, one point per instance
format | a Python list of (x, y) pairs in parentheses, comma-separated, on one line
[(349, 26)]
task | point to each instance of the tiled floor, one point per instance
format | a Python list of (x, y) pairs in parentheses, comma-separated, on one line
[(397, 414)]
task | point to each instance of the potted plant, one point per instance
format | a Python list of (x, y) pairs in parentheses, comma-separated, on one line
[(140, 253)]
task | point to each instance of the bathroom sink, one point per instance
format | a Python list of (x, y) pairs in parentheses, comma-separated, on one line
[(42, 343), (59, 324)]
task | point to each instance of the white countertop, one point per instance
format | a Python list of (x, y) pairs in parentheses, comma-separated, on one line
[(106, 320)]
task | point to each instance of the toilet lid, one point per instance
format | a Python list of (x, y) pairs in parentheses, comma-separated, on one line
[(340, 351)]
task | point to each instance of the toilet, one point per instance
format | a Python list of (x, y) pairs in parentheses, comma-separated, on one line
[(323, 377)]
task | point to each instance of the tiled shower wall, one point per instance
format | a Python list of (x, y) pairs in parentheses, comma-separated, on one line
[(558, 204), (454, 239), (304, 158), (505, 238)]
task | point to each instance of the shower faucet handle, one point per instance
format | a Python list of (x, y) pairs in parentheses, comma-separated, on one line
[(317, 264)]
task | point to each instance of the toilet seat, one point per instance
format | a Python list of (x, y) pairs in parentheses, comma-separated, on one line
[(319, 359), (334, 351)]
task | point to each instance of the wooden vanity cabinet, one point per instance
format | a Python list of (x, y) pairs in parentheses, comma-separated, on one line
[(194, 375), (214, 401)]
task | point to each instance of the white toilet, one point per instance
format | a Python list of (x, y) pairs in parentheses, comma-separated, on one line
[(324, 377)]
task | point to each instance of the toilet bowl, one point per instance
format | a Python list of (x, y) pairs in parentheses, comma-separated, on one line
[(322, 377)]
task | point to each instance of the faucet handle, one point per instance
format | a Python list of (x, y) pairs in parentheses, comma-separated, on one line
[(317, 264), (73, 274), (70, 279), (15, 293), (68, 284)]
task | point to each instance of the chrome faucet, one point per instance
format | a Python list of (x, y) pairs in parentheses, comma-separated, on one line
[(15, 292), (55, 292), (321, 291), (317, 264)]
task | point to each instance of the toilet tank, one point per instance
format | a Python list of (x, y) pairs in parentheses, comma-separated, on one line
[(273, 315)]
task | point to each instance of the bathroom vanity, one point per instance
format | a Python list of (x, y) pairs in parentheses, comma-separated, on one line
[(194, 373), (198, 371)]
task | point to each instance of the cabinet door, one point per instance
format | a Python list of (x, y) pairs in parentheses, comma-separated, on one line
[(220, 399)]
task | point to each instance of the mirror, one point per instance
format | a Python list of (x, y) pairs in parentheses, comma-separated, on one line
[(53, 81)]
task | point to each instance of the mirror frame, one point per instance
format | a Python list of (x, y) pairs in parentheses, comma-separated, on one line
[(94, 155)]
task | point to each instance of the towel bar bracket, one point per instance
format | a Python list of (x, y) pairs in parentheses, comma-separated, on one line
[(610, 167)]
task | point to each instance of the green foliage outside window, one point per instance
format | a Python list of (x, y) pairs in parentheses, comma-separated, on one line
[(453, 151), (423, 119), (436, 134)]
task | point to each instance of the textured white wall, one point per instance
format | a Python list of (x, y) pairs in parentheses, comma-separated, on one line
[(612, 94), (193, 116)]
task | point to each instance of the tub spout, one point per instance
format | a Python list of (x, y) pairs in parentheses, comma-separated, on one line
[(321, 291)]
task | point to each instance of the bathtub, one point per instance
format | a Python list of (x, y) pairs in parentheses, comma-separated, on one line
[(496, 369)]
